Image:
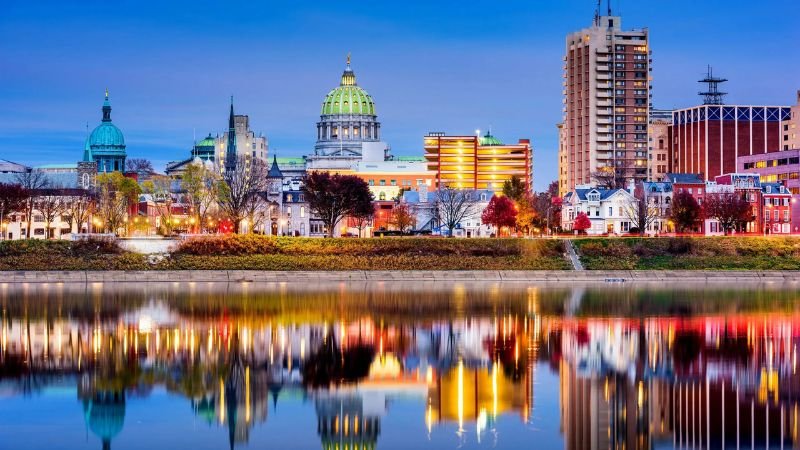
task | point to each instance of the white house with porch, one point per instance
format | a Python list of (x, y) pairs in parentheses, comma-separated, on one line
[(607, 209)]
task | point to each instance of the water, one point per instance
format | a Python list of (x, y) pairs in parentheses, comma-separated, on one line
[(353, 366)]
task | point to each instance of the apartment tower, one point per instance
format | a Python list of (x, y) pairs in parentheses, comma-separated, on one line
[(606, 101)]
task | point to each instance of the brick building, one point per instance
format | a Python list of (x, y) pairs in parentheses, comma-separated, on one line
[(707, 139)]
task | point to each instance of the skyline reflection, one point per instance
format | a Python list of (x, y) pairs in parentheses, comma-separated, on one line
[(631, 367)]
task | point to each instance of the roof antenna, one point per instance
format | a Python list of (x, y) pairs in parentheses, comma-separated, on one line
[(597, 13)]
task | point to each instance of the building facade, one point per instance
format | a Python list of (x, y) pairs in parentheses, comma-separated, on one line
[(658, 158), (563, 180), (606, 101), (791, 128), (473, 162), (708, 139), (607, 209)]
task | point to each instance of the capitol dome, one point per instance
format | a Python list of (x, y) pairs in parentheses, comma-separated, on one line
[(347, 120), (348, 98)]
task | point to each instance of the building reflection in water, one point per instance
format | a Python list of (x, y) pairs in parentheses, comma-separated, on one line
[(695, 379)]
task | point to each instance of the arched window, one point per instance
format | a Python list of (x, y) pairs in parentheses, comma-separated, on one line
[(302, 211), (85, 181)]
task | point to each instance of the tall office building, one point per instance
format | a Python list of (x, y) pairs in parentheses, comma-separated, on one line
[(606, 101)]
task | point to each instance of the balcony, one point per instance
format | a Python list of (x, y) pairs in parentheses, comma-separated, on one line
[(604, 129), (604, 85), (603, 121), (604, 138), (604, 147), (603, 59), (604, 103), (604, 93), (603, 76)]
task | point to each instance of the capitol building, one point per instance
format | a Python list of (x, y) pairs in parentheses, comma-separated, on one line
[(348, 131)]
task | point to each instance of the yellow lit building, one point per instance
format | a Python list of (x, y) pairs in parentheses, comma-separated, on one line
[(474, 162)]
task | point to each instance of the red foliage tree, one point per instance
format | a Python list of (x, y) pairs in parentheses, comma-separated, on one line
[(582, 223), (500, 212)]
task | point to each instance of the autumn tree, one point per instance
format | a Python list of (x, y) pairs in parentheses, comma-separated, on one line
[(115, 194), (33, 183), (334, 197), (403, 217), (500, 213), (362, 215), (684, 211), (239, 193), (729, 209), (527, 216), (581, 223), (452, 206), (514, 188), (12, 199), (201, 185)]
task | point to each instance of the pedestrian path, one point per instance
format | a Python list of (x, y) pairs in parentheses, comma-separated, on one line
[(573, 257)]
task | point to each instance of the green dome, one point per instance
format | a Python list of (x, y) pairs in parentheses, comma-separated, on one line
[(348, 98), (107, 136), (207, 142), (489, 140)]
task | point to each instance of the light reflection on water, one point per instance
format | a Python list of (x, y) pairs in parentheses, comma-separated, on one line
[(353, 366)]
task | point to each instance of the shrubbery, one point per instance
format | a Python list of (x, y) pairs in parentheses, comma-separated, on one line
[(690, 253)]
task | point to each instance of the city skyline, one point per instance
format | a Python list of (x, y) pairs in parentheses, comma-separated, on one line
[(170, 80)]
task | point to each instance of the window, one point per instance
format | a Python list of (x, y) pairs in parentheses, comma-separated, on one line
[(302, 211), (766, 215), (289, 212), (393, 182), (610, 211), (383, 183)]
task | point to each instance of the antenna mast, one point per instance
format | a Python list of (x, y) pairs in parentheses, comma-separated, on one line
[(712, 94)]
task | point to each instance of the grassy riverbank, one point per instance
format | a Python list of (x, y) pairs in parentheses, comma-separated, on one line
[(701, 253), (264, 253)]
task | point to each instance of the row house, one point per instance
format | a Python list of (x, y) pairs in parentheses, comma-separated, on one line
[(776, 202), (609, 210), (425, 205)]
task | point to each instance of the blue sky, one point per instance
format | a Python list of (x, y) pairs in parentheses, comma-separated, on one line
[(442, 65)]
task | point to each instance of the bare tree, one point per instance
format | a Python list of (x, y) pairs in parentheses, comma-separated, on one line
[(50, 205), (138, 165), (453, 206), (79, 208), (159, 189), (610, 178), (640, 211), (33, 182), (239, 192)]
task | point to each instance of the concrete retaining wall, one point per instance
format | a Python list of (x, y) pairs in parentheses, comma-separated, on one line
[(554, 276)]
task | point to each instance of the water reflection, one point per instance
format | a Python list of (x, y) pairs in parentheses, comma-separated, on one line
[(633, 368)]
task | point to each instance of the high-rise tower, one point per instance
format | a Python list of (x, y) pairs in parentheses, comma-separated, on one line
[(606, 102)]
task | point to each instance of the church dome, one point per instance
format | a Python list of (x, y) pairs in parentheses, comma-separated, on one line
[(208, 141), (348, 98), (106, 136)]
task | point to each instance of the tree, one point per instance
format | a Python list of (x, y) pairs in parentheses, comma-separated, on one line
[(362, 215), (500, 212), (514, 188), (159, 189), (581, 223), (640, 211), (333, 197), (403, 217), (12, 199), (201, 185), (451, 206), (138, 165), (729, 209), (608, 178), (527, 216), (239, 193), (33, 182), (684, 211), (50, 205), (115, 194), (79, 208)]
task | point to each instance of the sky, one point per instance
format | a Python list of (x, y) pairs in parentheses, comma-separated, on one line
[(431, 65)]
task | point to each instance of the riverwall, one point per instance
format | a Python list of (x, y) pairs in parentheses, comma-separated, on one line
[(547, 276)]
